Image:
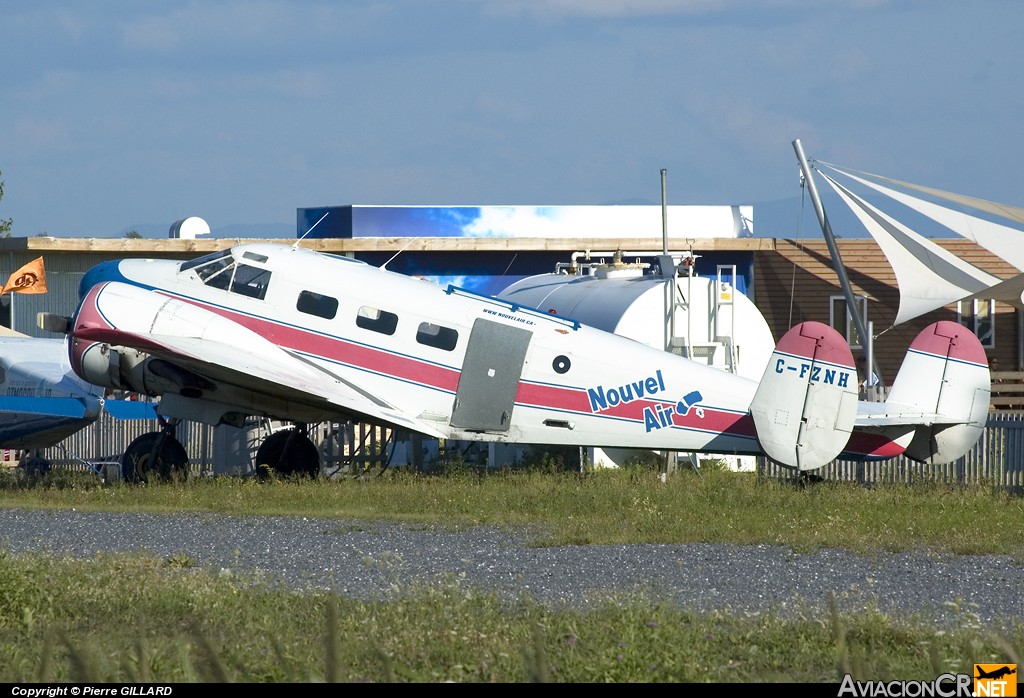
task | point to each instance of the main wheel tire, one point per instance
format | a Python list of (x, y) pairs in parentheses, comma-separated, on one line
[(140, 464), (287, 452), (34, 464)]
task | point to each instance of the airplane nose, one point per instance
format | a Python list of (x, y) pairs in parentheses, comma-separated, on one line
[(104, 271)]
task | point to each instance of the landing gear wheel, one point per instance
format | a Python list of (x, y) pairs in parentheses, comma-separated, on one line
[(153, 457), (33, 463), (288, 452)]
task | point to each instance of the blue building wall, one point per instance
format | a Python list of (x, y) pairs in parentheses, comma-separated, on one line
[(492, 272)]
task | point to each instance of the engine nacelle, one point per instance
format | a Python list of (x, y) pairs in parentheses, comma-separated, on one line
[(118, 368)]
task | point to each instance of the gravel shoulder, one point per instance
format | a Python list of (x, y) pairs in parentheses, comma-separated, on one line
[(372, 559)]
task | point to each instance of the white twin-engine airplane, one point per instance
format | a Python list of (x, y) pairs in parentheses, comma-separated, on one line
[(288, 333)]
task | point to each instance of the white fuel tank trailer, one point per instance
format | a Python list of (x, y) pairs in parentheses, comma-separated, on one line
[(662, 304), (702, 318)]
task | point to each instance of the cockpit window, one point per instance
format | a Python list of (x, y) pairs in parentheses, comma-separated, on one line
[(250, 281), (208, 264), (211, 268), (220, 270)]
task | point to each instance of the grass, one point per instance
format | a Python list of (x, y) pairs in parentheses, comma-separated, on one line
[(141, 618)]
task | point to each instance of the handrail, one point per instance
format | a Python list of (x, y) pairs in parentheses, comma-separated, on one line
[(512, 306)]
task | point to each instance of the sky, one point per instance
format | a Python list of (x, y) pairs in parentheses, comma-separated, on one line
[(127, 115)]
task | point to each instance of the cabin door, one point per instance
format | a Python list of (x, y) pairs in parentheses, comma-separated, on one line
[(490, 376)]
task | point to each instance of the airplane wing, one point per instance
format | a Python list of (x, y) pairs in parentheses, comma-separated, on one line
[(287, 375), (45, 406), (130, 409), (218, 350)]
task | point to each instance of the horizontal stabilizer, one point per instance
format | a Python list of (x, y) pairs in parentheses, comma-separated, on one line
[(806, 403)]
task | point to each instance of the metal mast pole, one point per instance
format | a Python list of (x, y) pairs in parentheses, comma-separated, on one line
[(666, 273), (670, 287), (664, 214), (837, 261)]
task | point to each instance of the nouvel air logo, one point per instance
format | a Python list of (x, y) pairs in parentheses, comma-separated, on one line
[(656, 416), (995, 680)]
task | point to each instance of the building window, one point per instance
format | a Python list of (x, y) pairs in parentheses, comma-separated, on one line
[(980, 317), (841, 320)]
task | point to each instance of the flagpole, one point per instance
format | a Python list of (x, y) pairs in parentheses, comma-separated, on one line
[(10, 296)]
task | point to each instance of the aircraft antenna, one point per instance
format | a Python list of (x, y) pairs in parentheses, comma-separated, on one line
[(510, 264), (302, 237), (404, 248)]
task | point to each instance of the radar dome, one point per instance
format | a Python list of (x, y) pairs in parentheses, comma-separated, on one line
[(189, 228)]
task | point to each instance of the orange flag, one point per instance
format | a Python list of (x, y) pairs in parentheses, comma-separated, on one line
[(31, 278)]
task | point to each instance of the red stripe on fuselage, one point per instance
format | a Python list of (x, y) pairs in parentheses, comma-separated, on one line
[(340, 350), (576, 400), (874, 446)]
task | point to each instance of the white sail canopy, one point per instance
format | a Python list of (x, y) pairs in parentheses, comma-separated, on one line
[(1012, 213), (1001, 240), (928, 276)]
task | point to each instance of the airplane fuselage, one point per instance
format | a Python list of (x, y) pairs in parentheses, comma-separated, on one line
[(41, 400), (467, 366)]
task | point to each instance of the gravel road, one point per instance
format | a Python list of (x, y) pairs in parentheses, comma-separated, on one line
[(370, 559)]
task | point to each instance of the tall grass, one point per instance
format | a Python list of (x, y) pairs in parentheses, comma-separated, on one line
[(135, 618), (142, 618)]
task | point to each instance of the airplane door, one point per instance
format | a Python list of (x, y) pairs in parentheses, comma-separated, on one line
[(490, 376)]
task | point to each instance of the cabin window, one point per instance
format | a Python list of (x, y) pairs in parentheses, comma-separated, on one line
[(317, 304), (376, 320), (980, 317), (250, 281), (436, 336), (841, 319)]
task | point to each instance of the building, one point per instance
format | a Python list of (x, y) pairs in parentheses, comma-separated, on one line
[(789, 280)]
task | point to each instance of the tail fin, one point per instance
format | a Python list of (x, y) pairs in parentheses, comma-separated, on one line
[(806, 404), (944, 376)]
